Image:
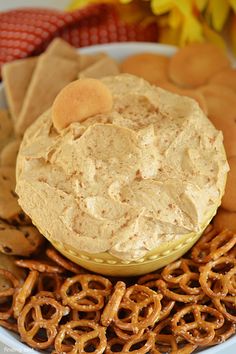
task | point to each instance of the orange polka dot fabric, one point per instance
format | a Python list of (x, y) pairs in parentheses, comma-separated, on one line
[(26, 32)]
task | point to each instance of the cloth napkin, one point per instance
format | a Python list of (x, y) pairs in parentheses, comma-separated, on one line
[(28, 31)]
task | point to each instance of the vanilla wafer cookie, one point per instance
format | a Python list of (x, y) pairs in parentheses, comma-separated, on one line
[(229, 198), (195, 64), (151, 67), (225, 220)]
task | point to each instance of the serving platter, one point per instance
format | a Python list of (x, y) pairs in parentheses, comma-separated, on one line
[(118, 51)]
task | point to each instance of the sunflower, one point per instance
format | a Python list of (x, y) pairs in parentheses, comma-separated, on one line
[(180, 21)]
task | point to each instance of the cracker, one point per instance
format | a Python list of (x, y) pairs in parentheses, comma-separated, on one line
[(9, 207), (229, 198), (225, 220), (80, 100), (60, 48), (6, 127), (86, 60), (9, 153), (20, 241), (195, 94), (104, 67), (17, 75), (220, 101), (151, 67), (50, 76), (195, 64), (226, 78)]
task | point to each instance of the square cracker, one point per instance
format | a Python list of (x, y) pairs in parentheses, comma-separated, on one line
[(17, 75), (104, 67), (86, 60), (61, 48), (50, 76), (6, 128)]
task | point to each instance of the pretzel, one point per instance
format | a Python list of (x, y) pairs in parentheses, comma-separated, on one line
[(84, 334), (215, 280), (127, 335), (232, 253), (213, 245), (94, 316), (24, 292), (144, 344), (149, 280), (63, 262), (113, 304), (226, 306), (143, 307), (174, 292), (50, 282), (167, 342), (197, 322), (11, 326), (7, 294), (40, 266), (43, 294), (40, 313), (223, 333), (183, 272), (94, 287)]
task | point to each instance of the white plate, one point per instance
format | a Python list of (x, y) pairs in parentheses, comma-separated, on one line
[(118, 51)]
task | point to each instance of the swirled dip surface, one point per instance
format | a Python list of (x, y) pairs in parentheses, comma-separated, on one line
[(127, 181)]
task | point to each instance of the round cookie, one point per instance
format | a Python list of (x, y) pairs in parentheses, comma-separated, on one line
[(6, 127), (151, 67), (195, 94), (9, 207), (20, 241), (225, 220), (226, 77), (80, 100), (220, 102), (229, 198), (195, 64), (9, 153)]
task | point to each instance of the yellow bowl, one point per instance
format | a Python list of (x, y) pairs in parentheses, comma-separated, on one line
[(105, 263)]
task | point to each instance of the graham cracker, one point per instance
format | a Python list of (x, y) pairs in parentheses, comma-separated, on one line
[(50, 76), (17, 75), (104, 67)]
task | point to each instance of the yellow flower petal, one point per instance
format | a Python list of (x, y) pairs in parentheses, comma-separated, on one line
[(77, 4), (184, 6), (219, 11), (134, 11), (125, 1), (169, 35), (175, 18), (191, 31), (213, 36), (201, 4), (233, 4), (160, 7)]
